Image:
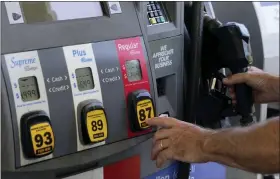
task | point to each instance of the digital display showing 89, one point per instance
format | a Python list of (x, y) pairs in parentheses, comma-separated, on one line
[(84, 79), (28, 87)]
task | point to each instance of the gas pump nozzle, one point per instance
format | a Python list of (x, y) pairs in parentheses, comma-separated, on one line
[(227, 46)]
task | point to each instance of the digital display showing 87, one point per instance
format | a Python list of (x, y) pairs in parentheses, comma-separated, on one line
[(133, 70)]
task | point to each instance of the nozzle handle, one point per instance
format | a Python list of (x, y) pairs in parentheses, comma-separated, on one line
[(244, 98)]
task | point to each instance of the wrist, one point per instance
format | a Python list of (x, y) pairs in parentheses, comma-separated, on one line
[(208, 147)]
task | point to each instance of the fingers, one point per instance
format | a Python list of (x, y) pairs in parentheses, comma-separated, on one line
[(232, 95), (236, 79), (254, 69), (161, 134), (163, 157), (231, 92), (165, 122), (159, 146)]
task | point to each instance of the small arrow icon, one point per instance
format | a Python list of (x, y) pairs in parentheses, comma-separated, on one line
[(48, 80), (73, 76), (119, 77), (16, 16), (15, 85), (67, 87), (65, 77), (17, 95), (74, 85)]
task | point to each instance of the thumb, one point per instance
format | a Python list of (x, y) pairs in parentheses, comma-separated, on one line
[(236, 79)]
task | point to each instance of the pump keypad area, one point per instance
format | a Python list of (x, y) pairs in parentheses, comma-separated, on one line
[(37, 135), (155, 13), (141, 108)]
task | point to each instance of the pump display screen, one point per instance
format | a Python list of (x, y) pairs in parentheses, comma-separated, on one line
[(133, 70), (28, 87), (84, 79), (56, 11)]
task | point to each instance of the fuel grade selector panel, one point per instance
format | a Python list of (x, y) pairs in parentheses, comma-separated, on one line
[(93, 122), (37, 136), (140, 108)]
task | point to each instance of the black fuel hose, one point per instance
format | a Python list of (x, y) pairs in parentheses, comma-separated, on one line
[(193, 72)]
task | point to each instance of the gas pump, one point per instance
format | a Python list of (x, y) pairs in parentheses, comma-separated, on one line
[(74, 103)]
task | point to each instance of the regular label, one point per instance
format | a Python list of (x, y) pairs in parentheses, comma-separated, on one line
[(97, 125), (42, 138), (145, 111)]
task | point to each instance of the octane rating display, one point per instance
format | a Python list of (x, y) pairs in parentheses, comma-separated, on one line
[(84, 79), (37, 136), (42, 138), (144, 111), (28, 88), (140, 108), (97, 125), (133, 70)]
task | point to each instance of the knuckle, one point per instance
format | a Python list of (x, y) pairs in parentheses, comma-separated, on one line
[(169, 142), (165, 122), (247, 76), (164, 155), (154, 139), (156, 136)]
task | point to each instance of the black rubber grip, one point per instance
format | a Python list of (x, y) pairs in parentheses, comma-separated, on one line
[(244, 99)]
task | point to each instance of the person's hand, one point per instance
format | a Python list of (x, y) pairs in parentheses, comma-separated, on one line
[(177, 140), (262, 83)]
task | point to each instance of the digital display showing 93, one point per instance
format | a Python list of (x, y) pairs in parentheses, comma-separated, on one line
[(28, 87)]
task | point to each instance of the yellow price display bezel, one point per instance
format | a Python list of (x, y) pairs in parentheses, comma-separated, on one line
[(42, 138), (97, 125), (145, 110)]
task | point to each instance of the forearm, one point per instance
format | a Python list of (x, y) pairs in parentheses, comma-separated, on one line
[(254, 148)]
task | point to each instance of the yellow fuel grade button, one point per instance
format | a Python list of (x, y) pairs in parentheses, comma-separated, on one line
[(145, 110), (42, 138), (94, 124), (140, 108), (37, 136)]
